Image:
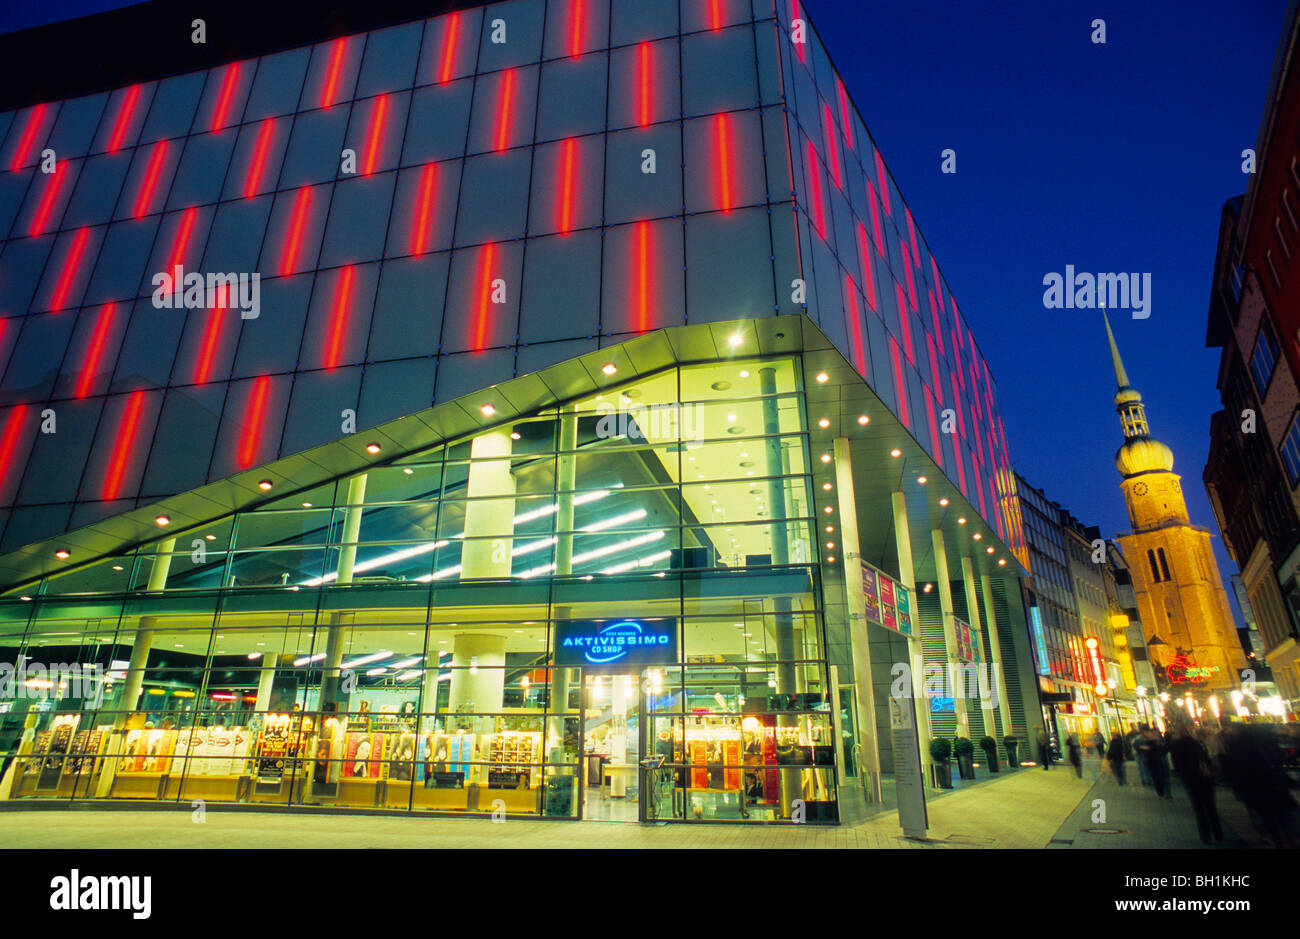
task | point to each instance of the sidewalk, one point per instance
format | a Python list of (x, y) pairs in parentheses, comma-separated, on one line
[(1019, 810), (1134, 817)]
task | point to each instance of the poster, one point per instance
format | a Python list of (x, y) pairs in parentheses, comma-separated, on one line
[(870, 593), (272, 751), (699, 767), (731, 775), (771, 776), (364, 753), (903, 606)]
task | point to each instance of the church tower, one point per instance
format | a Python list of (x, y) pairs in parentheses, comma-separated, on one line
[(1176, 579)]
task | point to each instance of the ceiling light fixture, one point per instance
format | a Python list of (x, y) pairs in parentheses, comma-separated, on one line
[(822, 378), (609, 368)]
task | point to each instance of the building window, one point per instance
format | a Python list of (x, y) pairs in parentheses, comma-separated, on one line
[(1295, 172), (1290, 210), (1164, 565), (1272, 269), (1281, 238), (1155, 571), (1264, 359), (1291, 452)]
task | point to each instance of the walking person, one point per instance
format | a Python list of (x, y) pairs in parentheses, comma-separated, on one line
[(1192, 762), (1142, 747), (1076, 754), (1044, 754), (1115, 756), (1099, 742)]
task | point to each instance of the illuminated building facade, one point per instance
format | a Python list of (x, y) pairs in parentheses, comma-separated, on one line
[(574, 320)]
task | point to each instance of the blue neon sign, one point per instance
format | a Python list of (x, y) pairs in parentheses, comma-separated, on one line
[(634, 643)]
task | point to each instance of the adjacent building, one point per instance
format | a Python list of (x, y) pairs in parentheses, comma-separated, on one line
[(597, 400), (1253, 469)]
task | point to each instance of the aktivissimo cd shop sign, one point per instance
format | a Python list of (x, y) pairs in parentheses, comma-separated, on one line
[(616, 644)]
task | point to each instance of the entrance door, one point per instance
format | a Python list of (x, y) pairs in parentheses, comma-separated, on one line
[(613, 743)]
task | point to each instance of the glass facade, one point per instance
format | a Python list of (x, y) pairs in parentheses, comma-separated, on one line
[(390, 640)]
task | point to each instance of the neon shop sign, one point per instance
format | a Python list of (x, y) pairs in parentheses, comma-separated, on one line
[(633, 643)]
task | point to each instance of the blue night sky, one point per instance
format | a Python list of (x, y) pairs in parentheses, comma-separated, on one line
[(1114, 157)]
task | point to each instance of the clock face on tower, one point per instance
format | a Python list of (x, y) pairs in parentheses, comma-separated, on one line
[(1140, 489)]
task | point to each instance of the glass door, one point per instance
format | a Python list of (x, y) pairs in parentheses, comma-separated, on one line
[(612, 747)]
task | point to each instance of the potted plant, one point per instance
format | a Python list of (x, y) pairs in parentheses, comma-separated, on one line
[(1010, 742), (940, 751), (964, 751), (990, 748)]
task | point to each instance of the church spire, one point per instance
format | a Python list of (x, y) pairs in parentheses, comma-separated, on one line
[(1121, 376), (1141, 453)]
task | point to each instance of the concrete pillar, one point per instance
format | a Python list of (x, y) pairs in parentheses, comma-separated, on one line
[(907, 577), (478, 682), (782, 619), (140, 648), (949, 623), (975, 620), (490, 509), (863, 682), (622, 696), (331, 694), (995, 654)]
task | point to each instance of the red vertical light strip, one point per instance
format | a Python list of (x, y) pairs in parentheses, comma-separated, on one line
[(855, 325), (832, 148), (505, 105), (424, 209), (53, 183), (127, 429), (956, 406), (332, 72), (938, 330), (900, 386), (904, 320), (644, 77), (254, 417), (911, 231), (576, 17), (257, 165), (449, 48), (934, 363), (715, 15), (28, 139), (884, 184), (722, 137), (211, 337), (938, 287), (124, 114), (149, 185), (487, 261), (184, 231), (864, 252), (378, 112), (339, 317), (568, 167), (9, 440), (71, 261), (936, 450), (641, 264), (845, 122), (227, 94), (297, 223), (875, 219), (815, 185), (95, 350), (911, 280)]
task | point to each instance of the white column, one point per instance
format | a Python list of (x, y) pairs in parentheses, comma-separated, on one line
[(949, 623), (858, 636), (490, 509), (973, 614), (995, 654), (907, 577)]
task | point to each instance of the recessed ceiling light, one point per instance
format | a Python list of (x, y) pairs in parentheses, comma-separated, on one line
[(514, 435), (306, 505), (264, 485), (62, 553), (831, 559), (731, 417), (117, 567), (989, 549), (830, 546), (863, 419), (826, 486), (896, 453), (1002, 562), (826, 457), (828, 510), (735, 339), (210, 537), (943, 501), (744, 373), (922, 480), (977, 536), (830, 528), (487, 410), (408, 471), (162, 521), (927, 588), (962, 520), (824, 423), (609, 368), (822, 378), (24, 597)]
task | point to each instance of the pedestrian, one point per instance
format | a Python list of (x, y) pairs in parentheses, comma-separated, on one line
[(1099, 742), (1076, 754), (1192, 762), (1115, 756), (1141, 746), (1252, 765), (1044, 754)]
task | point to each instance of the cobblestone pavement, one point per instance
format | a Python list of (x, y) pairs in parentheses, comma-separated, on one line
[(1019, 810)]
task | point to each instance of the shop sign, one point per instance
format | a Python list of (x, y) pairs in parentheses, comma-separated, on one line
[(625, 643)]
